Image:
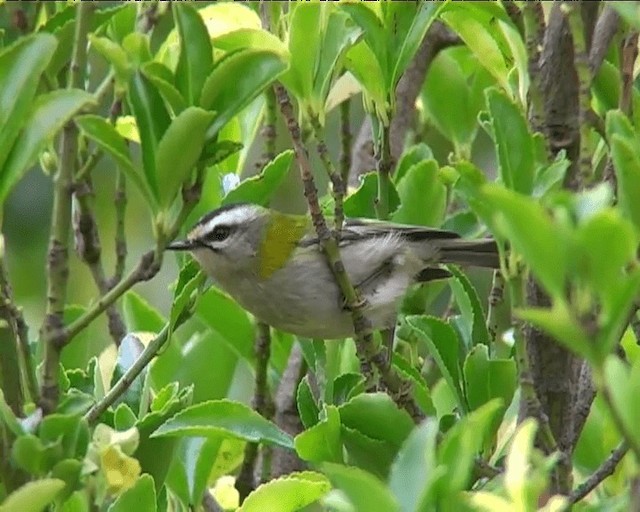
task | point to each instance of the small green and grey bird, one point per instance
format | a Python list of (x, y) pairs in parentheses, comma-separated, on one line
[(272, 264)]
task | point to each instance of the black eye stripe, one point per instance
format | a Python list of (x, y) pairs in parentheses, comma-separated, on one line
[(219, 233)]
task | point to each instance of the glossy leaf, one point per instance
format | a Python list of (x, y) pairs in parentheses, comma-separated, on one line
[(152, 120), (141, 496), (624, 153), (196, 54), (444, 346), (511, 131), (21, 65), (179, 150), (361, 488), (129, 351), (321, 442), (49, 114), (486, 379), (162, 78), (376, 416), (260, 188), (33, 496), (224, 417), (423, 196), (414, 466), (253, 71), (307, 407), (109, 140), (362, 202), (470, 305), (139, 315), (115, 55), (623, 384), (532, 233), (288, 493)]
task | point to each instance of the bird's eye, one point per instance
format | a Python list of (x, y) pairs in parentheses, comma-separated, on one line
[(220, 233)]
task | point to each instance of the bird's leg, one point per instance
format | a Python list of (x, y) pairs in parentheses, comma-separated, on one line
[(388, 336)]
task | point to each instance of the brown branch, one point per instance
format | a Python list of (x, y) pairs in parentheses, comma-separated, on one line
[(345, 140), (606, 28), (262, 404), (58, 253), (606, 469), (209, 503), (120, 204), (89, 250), (368, 352), (438, 37)]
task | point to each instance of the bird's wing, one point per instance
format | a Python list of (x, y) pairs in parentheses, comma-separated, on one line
[(356, 230)]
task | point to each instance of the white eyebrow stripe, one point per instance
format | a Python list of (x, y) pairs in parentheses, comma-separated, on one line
[(231, 217)]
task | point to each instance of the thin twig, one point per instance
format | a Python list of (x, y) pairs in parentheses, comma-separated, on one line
[(534, 32), (262, 404), (120, 203), (88, 247), (209, 503), (20, 327), (399, 389), (606, 469), (58, 253), (605, 30), (581, 64), (346, 139), (496, 305), (618, 421), (129, 376), (384, 166), (337, 184)]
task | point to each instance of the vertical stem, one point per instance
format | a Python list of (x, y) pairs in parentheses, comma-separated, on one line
[(337, 184), (581, 63), (534, 32), (58, 253), (346, 138), (120, 202), (384, 164)]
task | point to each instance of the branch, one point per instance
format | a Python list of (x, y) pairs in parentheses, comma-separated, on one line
[(129, 376), (262, 404), (58, 253), (88, 247), (606, 29), (606, 469), (363, 336), (346, 139), (120, 203)]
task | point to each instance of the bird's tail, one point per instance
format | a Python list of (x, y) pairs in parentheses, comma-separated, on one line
[(478, 253)]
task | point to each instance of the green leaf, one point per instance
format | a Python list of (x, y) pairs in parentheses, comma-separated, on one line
[(559, 323), (444, 346), (624, 153), (105, 135), (179, 150), (362, 202), (414, 467), (162, 78), (142, 496), (476, 27), (361, 61), (69, 431), (532, 233), (129, 351), (305, 34), (470, 305), (190, 280), (218, 417), (33, 496), (152, 120), (259, 189), (139, 315), (623, 385), (50, 112), (307, 407), (361, 488), (412, 156), (21, 65), (230, 321), (28, 453), (253, 70), (372, 455), (421, 186), (487, 379), (288, 493), (511, 130), (123, 417), (378, 417), (346, 386), (321, 442), (456, 120), (408, 33), (196, 53), (115, 55), (8, 418)]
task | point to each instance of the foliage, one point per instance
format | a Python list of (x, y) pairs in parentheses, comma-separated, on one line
[(167, 101)]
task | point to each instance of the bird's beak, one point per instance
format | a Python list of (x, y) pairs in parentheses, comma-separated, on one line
[(180, 245)]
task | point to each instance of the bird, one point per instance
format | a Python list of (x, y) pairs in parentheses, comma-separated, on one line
[(272, 264)]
